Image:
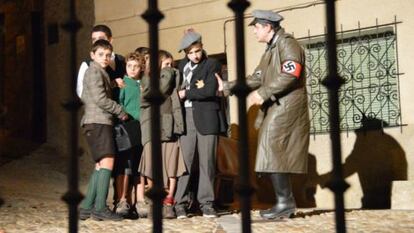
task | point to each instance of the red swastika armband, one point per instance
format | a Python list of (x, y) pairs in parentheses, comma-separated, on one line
[(292, 68)]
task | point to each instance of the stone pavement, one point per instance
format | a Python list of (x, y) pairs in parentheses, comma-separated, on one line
[(31, 187)]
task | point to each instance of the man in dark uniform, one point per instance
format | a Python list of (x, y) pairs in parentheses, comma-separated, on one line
[(279, 85)]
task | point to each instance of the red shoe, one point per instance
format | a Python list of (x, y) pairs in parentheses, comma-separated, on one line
[(169, 201)]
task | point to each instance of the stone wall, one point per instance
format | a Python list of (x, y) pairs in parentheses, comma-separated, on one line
[(16, 98), (58, 74), (28, 106)]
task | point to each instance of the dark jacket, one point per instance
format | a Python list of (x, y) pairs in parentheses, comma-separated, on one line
[(205, 103)]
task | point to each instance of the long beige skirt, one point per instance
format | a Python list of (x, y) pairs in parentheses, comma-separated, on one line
[(172, 161)]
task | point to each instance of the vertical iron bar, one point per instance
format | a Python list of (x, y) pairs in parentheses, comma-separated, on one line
[(398, 71), (39, 100), (320, 96), (379, 55), (73, 196), (369, 61), (241, 90), (153, 16), (379, 81), (2, 73), (333, 83)]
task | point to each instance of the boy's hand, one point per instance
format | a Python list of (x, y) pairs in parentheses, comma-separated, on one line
[(220, 87), (255, 98), (181, 94), (120, 82), (124, 118), (220, 82)]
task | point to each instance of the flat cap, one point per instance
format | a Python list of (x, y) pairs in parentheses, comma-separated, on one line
[(189, 38), (265, 15)]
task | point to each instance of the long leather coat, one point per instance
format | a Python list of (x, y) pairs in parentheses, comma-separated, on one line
[(283, 138)]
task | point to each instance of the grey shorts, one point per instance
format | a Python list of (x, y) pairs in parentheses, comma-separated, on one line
[(100, 139)]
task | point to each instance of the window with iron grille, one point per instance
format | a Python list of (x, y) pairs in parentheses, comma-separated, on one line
[(368, 65)]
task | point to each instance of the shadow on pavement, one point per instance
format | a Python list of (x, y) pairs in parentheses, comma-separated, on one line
[(301, 214)]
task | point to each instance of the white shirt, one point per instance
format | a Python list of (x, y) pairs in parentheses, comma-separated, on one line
[(81, 74), (79, 80), (188, 74)]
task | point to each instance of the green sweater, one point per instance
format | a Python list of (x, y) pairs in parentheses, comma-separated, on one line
[(130, 97)]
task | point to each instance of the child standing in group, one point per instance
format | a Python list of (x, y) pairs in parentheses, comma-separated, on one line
[(172, 125), (144, 51), (126, 163), (202, 121), (116, 67), (97, 126)]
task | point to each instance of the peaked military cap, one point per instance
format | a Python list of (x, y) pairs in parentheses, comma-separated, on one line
[(265, 15), (189, 38)]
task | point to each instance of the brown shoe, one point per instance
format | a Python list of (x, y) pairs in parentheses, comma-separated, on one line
[(143, 209), (168, 212)]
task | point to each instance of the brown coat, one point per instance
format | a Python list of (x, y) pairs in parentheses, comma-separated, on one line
[(283, 138), (172, 123)]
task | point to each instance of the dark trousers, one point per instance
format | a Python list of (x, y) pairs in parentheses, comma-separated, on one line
[(206, 147)]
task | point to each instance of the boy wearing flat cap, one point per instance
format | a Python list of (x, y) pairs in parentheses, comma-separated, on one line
[(279, 87), (199, 86)]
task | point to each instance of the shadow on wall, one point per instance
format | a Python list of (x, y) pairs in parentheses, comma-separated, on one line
[(378, 159), (304, 185)]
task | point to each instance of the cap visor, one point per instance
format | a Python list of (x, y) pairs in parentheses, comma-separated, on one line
[(253, 22)]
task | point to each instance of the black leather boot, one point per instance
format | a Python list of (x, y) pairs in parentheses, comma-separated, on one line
[(285, 203)]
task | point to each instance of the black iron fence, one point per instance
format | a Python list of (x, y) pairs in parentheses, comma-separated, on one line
[(367, 59), (241, 90), (332, 82), (73, 196)]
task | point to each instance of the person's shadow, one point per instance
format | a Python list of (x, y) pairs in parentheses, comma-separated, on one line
[(378, 159)]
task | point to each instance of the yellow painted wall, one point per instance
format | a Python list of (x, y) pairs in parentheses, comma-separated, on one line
[(209, 17)]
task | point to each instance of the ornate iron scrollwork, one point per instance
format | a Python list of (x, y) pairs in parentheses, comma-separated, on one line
[(368, 63)]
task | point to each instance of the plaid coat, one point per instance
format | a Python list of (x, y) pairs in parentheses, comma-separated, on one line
[(97, 97)]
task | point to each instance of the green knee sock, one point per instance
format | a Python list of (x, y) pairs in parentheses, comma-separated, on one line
[(102, 188), (89, 199)]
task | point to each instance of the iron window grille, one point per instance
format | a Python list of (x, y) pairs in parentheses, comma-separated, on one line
[(368, 65)]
